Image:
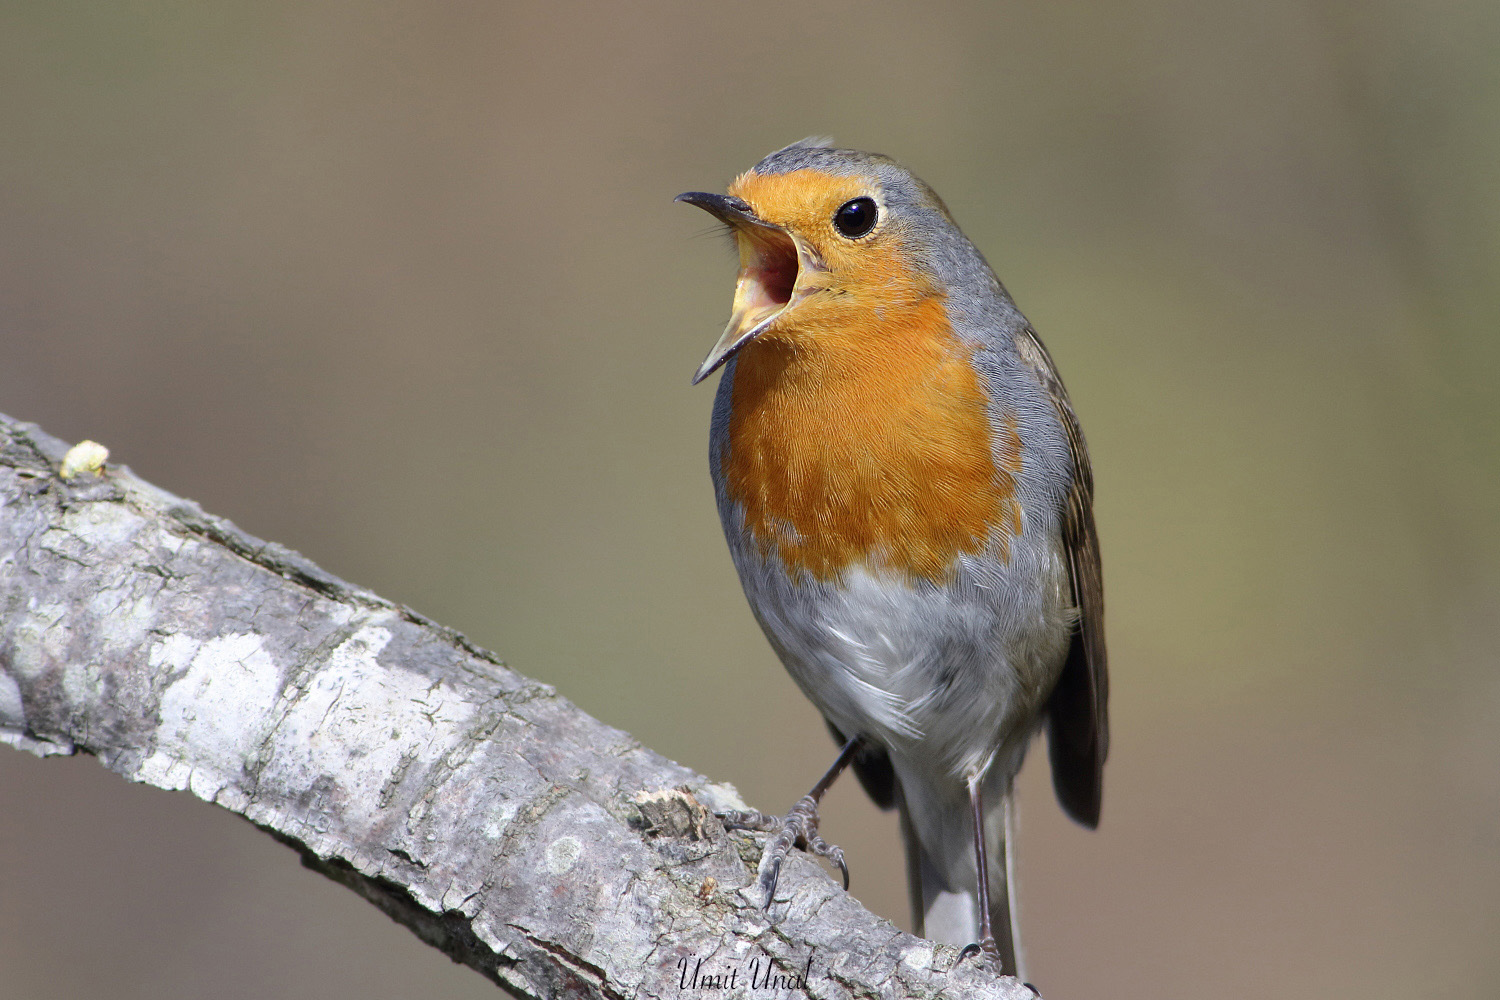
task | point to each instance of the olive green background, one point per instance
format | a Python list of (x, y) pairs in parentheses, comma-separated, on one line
[(401, 285)]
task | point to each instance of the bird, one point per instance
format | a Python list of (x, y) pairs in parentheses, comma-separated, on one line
[(907, 498)]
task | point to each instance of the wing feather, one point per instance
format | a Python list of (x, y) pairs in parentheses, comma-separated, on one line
[(1078, 719)]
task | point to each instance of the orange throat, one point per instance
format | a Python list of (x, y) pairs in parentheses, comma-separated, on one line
[(865, 440)]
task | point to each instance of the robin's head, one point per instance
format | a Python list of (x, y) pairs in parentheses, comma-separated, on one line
[(829, 241)]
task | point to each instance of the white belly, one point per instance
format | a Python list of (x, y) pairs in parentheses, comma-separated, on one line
[(949, 678)]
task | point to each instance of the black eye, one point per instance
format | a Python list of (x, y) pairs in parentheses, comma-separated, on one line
[(856, 218)]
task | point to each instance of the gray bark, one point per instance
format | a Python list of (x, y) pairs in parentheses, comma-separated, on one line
[(546, 850)]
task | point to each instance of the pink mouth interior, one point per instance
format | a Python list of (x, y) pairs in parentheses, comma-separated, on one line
[(773, 270)]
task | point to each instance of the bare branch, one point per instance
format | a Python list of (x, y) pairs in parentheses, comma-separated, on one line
[(544, 849)]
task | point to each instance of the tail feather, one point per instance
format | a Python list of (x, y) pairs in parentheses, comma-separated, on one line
[(914, 861), (1005, 911)]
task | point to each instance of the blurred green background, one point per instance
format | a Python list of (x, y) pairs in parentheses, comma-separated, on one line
[(401, 285)]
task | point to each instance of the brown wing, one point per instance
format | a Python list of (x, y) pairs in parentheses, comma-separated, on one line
[(1078, 734)]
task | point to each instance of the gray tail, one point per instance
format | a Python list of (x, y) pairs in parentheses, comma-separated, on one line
[(951, 915)]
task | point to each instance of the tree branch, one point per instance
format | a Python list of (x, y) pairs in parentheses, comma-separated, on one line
[(529, 841)]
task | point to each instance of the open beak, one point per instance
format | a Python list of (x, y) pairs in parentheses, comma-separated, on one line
[(770, 262)]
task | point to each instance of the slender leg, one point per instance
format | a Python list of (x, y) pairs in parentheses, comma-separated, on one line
[(1002, 958), (797, 828)]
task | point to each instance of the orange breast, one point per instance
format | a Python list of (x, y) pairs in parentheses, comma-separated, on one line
[(865, 439)]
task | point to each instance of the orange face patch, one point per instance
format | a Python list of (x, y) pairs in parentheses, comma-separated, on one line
[(803, 202), (859, 432)]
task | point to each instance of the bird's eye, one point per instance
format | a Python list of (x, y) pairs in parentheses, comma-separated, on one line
[(856, 218)]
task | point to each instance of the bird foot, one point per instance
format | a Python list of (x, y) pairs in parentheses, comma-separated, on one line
[(798, 828), (987, 952)]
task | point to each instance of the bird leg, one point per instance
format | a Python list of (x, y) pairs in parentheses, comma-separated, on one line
[(1001, 960), (798, 828)]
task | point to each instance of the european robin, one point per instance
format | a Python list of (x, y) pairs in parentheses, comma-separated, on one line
[(907, 498)]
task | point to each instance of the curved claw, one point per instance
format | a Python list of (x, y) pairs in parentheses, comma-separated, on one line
[(817, 845), (969, 949), (839, 860), (768, 880)]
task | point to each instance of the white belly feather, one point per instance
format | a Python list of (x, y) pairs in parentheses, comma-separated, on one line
[(949, 678)]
